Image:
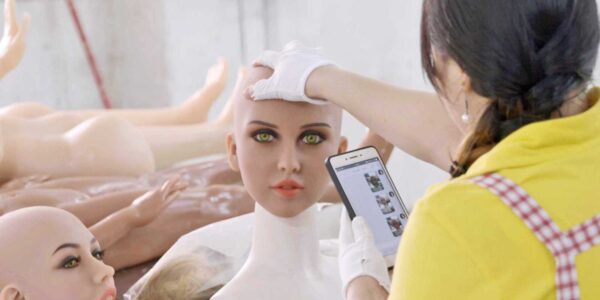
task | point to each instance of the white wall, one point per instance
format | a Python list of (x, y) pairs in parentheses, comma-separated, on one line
[(155, 52)]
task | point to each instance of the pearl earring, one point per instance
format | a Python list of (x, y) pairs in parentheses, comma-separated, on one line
[(466, 118)]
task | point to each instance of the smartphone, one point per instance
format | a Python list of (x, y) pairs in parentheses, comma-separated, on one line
[(366, 189)]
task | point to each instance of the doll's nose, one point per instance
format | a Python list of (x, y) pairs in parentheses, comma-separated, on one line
[(102, 272), (289, 160)]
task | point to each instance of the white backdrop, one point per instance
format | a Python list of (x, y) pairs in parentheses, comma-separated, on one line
[(155, 52)]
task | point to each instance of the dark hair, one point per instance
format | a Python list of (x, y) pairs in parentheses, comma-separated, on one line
[(527, 56)]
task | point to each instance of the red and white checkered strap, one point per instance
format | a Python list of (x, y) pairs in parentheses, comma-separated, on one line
[(564, 246)]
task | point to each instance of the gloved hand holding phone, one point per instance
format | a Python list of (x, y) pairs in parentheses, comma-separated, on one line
[(358, 254)]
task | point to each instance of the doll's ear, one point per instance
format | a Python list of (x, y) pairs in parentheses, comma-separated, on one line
[(11, 292), (231, 153), (343, 145)]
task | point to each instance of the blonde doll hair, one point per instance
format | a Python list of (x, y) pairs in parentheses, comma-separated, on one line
[(186, 277)]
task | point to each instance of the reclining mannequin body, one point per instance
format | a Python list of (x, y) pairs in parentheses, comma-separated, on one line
[(34, 139)]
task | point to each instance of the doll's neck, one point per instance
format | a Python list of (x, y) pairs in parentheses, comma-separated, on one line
[(285, 244)]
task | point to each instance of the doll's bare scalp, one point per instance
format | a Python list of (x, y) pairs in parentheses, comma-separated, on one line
[(27, 234), (243, 103)]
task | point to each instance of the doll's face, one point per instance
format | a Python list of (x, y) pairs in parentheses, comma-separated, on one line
[(47, 253), (280, 148)]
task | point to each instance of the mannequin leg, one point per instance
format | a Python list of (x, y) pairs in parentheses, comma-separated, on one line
[(177, 143), (193, 110)]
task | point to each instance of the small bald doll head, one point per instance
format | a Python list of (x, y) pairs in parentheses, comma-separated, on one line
[(280, 148), (47, 253)]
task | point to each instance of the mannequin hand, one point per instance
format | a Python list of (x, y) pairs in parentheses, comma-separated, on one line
[(145, 208), (292, 66), (358, 255), (12, 44)]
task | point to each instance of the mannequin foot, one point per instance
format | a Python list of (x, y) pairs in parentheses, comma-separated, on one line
[(225, 118), (196, 108)]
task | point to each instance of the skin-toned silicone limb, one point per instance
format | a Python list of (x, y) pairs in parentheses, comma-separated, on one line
[(142, 211), (22, 182), (401, 122), (93, 198), (176, 144), (173, 144), (193, 110), (47, 253), (193, 209), (94, 209), (12, 44)]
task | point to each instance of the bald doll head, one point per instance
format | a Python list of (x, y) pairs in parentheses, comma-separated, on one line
[(280, 147), (47, 253)]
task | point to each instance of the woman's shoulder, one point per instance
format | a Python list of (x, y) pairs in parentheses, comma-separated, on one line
[(455, 194), (463, 207)]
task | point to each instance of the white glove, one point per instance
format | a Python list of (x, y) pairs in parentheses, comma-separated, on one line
[(291, 66), (358, 255)]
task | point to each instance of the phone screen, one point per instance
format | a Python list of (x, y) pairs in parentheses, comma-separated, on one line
[(372, 195)]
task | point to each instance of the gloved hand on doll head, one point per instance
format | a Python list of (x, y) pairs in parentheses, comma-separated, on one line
[(47, 253)]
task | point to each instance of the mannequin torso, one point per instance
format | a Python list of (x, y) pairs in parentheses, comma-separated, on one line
[(285, 262)]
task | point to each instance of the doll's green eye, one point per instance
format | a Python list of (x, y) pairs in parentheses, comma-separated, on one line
[(312, 139), (264, 137), (71, 262), (99, 255)]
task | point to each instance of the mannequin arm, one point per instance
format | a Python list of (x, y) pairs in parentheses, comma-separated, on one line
[(141, 212), (12, 44), (194, 209), (22, 182), (95, 209)]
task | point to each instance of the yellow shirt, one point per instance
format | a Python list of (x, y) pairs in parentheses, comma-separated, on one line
[(463, 242)]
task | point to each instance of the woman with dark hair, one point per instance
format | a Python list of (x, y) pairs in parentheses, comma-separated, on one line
[(517, 127)]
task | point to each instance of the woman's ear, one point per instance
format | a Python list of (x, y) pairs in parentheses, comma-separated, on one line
[(343, 145), (231, 153), (466, 82), (10, 292)]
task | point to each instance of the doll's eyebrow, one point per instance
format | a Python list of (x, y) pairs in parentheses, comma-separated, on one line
[(67, 245), (71, 245), (316, 125), (264, 124)]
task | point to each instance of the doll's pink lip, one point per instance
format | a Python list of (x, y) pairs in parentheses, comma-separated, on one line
[(287, 188), (110, 292), (288, 184)]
